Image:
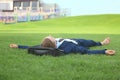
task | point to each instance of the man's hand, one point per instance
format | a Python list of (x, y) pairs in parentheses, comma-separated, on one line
[(13, 46), (110, 52)]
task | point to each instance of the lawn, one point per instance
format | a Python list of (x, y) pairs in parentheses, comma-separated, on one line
[(16, 64)]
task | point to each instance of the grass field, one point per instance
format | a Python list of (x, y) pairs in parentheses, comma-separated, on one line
[(16, 64)]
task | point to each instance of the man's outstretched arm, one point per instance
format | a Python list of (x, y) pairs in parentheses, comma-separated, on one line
[(18, 46)]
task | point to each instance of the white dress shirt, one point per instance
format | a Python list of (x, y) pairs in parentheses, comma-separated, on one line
[(58, 43)]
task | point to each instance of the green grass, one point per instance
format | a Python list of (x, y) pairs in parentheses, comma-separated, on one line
[(16, 64), (79, 24)]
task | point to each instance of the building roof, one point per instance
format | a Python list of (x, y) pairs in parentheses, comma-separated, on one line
[(25, 0)]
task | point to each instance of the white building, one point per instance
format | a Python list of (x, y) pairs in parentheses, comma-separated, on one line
[(24, 8), (9, 5), (6, 5)]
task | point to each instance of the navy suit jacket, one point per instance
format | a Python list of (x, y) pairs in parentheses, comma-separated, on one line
[(69, 47)]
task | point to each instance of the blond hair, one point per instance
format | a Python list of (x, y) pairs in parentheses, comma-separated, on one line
[(48, 42)]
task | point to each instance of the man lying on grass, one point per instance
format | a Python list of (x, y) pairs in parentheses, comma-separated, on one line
[(72, 45)]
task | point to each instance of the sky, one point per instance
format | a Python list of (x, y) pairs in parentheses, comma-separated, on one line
[(88, 7)]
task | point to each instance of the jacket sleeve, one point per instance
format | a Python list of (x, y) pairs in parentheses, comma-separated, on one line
[(84, 50), (23, 47)]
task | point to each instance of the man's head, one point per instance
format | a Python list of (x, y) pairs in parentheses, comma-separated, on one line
[(48, 41)]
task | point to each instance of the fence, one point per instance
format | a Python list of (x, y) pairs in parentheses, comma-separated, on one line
[(30, 15), (7, 17)]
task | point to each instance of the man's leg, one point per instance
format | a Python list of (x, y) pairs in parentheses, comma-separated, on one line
[(90, 43)]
